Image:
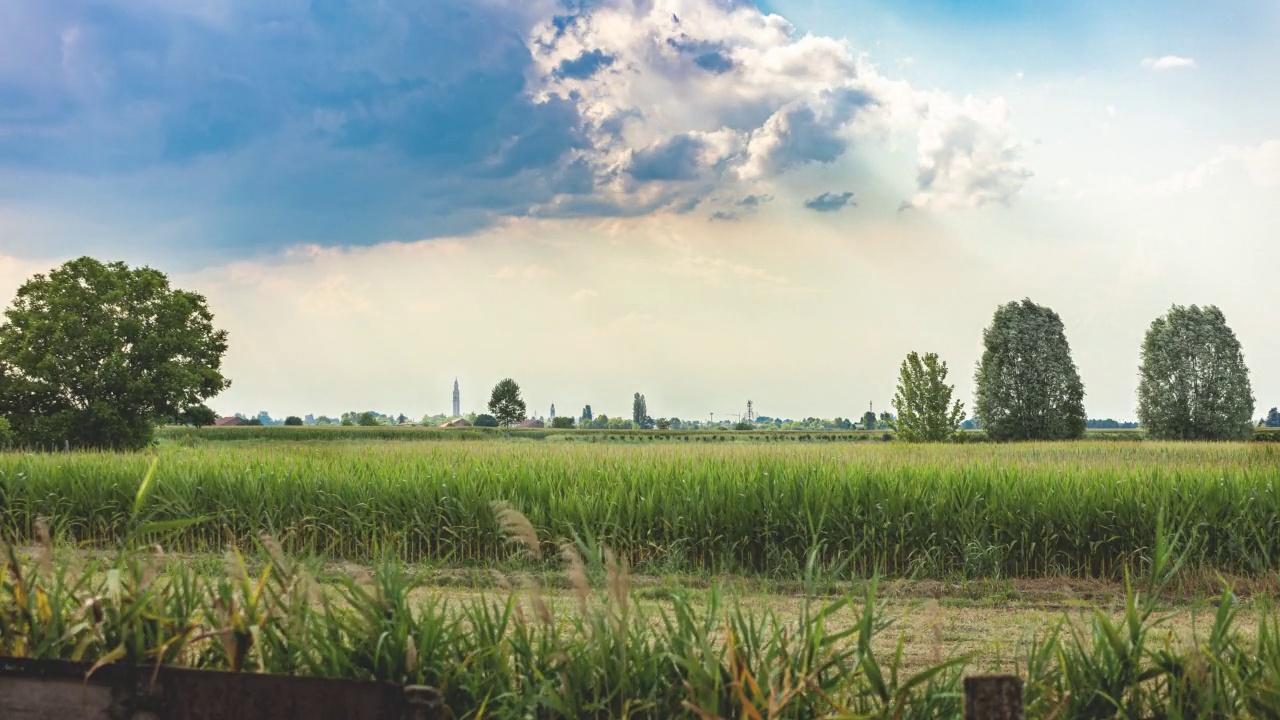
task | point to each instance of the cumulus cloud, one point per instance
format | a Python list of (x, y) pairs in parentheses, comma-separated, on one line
[(966, 156), (703, 95), (1168, 62), (830, 202)]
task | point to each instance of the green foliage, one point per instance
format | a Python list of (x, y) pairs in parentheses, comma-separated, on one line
[(743, 425), (1273, 419), (98, 354), (639, 411), (1193, 381), (868, 420), (293, 421), (6, 433), (923, 401), (487, 421), (586, 414), (663, 424), (1027, 384), (700, 503), (198, 416), (562, 422), (506, 404)]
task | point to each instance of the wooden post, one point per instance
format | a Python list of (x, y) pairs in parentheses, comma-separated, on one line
[(993, 697)]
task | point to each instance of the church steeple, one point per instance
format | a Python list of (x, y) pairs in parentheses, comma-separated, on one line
[(457, 399)]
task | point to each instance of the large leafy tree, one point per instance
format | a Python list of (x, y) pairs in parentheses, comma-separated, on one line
[(923, 401), (1193, 383), (1273, 419), (98, 353), (505, 402), (1027, 384)]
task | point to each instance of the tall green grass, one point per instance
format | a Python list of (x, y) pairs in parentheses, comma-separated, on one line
[(610, 657), (1078, 509)]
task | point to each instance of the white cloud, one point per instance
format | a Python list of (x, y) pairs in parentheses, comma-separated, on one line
[(1261, 163), (1168, 62), (685, 97), (967, 158)]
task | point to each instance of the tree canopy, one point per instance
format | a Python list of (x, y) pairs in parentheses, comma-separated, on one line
[(1027, 384), (98, 353), (1193, 383), (923, 401), (198, 416), (505, 402)]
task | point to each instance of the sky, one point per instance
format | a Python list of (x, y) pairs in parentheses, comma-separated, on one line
[(706, 201)]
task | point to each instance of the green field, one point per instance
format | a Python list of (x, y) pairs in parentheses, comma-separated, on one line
[(1084, 509), (335, 433)]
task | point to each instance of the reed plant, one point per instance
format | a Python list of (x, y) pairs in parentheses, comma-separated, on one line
[(510, 656)]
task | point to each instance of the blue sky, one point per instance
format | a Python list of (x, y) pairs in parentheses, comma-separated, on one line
[(623, 169)]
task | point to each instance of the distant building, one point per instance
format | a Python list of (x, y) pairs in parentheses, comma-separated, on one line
[(230, 422), (530, 423), (455, 423), (457, 399)]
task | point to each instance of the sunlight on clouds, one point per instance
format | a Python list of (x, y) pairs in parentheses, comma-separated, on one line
[(689, 100)]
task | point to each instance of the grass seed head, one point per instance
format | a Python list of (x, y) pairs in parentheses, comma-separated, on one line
[(576, 572), (517, 528)]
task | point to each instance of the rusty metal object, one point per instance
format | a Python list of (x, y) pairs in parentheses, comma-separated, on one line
[(48, 689), (993, 697)]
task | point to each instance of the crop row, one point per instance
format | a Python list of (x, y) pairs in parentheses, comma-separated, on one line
[(1079, 509)]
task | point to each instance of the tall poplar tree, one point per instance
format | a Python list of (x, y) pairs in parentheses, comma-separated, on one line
[(1193, 381), (1027, 384)]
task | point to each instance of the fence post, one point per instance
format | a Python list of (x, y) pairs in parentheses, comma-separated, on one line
[(993, 697)]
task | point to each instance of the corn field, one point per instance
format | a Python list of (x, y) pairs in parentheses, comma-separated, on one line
[(1085, 509)]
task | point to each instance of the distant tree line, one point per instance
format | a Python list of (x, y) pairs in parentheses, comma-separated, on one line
[(98, 354)]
